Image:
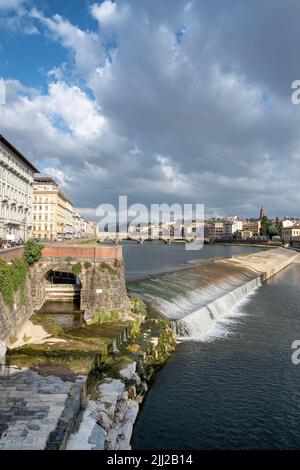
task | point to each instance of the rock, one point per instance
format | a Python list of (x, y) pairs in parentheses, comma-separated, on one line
[(104, 421), (3, 349), (128, 372), (126, 428), (111, 439), (132, 392), (109, 394), (136, 378), (121, 406), (97, 437)]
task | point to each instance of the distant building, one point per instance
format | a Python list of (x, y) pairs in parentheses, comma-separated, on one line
[(286, 223), (52, 213), (247, 234), (214, 230), (253, 226), (54, 216), (290, 232), (16, 180), (262, 213), (230, 228)]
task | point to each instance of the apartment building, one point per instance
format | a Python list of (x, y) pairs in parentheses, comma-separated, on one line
[(231, 228), (54, 216), (214, 230), (16, 192), (253, 226), (52, 211), (290, 232)]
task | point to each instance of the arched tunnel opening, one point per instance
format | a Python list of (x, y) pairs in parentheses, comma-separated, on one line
[(60, 277), (62, 298)]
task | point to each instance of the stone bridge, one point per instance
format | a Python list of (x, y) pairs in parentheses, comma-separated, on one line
[(118, 237)]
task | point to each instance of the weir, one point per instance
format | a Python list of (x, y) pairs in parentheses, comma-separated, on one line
[(195, 298)]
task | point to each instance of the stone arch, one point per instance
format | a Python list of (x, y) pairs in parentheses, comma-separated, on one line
[(42, 268)]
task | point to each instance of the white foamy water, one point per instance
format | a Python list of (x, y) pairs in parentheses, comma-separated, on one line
[(200, 301), (223, 327)]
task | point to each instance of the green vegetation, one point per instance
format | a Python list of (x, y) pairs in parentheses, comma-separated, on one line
[(269, 228), (138, 306), (101, 317), (32, 251), (12, 278), (76, 269), (106, 317), (109, 268), (136, 326), (69, 259), (26, 338), (87, 265)]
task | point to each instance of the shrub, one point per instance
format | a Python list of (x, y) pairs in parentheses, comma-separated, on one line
[(139, 307), (136, 326), (76, 269), (114, 316), (13, 278), (6, 283), (32, 251), (109, 268), (18, 271), (100, 317)]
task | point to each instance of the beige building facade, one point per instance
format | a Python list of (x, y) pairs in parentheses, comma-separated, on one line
[(54, 216), (52, 211), (290, 232)]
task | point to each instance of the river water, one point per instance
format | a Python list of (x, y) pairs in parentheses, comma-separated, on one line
[(235, 387), (153, 258)]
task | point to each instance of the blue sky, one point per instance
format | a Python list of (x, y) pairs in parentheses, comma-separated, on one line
[(173, 101)]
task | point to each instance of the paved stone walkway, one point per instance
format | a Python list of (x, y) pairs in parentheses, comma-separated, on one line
[(33, 409)]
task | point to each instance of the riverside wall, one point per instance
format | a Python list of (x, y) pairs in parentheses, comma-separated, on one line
[(101, 273)]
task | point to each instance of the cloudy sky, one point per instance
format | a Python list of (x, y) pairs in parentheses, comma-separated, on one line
[(171, 101)]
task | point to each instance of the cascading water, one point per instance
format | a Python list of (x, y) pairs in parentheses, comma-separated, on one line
[(194, 299)]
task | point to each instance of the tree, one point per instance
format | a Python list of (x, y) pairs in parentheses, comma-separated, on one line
[(32, 251), (264, 226)]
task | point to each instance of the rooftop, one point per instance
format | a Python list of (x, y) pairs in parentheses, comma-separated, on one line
[(44, 179), (18, 154)]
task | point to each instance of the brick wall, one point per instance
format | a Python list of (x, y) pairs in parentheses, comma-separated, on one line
[(12, 253), (83, 252)]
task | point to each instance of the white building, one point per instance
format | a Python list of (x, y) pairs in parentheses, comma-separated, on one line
[(286, 223), (230, 228), (16, 193)]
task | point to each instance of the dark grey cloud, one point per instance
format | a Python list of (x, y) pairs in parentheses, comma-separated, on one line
[(196, 104)]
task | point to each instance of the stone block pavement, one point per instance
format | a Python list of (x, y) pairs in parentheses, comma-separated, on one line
[(36, 412)]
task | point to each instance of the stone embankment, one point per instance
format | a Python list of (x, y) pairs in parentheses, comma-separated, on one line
[(110, 413), (37, 412)]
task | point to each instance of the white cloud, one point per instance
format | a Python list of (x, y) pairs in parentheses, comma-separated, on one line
[(85, 45), (59, 176), (108, 13)]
